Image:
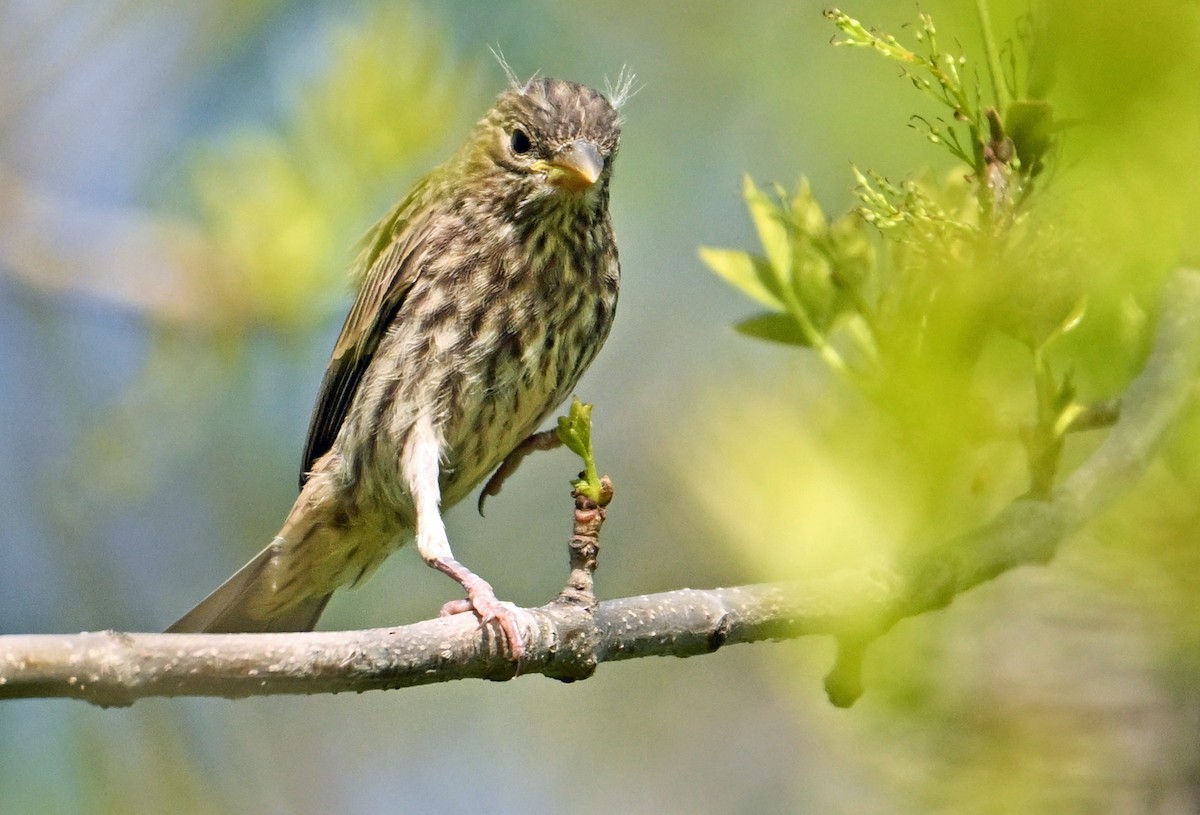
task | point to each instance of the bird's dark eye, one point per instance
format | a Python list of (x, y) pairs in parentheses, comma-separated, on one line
[(520, 142)]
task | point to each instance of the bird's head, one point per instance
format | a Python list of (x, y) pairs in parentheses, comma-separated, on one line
[(549, 140)]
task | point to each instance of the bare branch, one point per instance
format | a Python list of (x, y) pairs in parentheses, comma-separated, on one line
[(569, 637), (563, 640)]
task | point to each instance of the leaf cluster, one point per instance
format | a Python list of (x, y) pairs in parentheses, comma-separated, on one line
[(903, 294), (810, 275)]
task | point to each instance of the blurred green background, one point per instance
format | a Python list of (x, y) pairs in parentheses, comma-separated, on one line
[(180, 188)]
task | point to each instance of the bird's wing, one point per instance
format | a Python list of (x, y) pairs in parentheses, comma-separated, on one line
[(392, 257)]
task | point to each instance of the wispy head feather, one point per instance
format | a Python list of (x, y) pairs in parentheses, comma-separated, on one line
[(624, 89), (515, 83)]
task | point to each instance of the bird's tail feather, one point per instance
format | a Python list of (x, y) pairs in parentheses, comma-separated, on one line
[(229, 609)]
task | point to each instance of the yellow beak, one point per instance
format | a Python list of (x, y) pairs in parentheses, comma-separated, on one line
[(575, 166)]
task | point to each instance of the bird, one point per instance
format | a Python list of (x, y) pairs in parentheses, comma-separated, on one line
[(481, 298)]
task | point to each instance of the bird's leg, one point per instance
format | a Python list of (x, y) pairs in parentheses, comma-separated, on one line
[(421, 465), (546, 440)]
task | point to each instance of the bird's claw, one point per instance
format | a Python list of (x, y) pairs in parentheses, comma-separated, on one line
[(546, 440), (481, 600)]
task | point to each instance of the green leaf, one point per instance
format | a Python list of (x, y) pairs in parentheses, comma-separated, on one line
[(575, 431), (854, 256), (750, 274), (776, 327), (769, 221), (1068, 323), (1030, 124), (813, 285), (807, 213)]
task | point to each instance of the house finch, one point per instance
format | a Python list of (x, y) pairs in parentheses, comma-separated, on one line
[(482, 297)]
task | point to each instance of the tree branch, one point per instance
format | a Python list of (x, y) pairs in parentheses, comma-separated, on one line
[(569, 637)]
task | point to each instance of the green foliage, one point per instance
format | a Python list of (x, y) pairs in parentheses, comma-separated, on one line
[(1009, 303), (935, 72), (575, 431), (810, 275), (1004, 143), (905, 294)]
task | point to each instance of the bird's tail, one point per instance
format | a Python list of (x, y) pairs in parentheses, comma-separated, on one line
[(233, 607), (287, 585)]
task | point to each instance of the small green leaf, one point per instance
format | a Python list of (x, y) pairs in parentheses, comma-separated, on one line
[(807, 214), (575, 430), (749, 274), (813, 285), (776, 327), (1030, 124), (1068, 324), (852, 251), (772, 232)]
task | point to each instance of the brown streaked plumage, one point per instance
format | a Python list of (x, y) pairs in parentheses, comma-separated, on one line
[(482, 297)]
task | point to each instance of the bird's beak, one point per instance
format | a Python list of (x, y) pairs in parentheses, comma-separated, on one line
[(575, 166)]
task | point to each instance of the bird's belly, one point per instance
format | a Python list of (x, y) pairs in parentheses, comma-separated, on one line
[(495, 420)]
